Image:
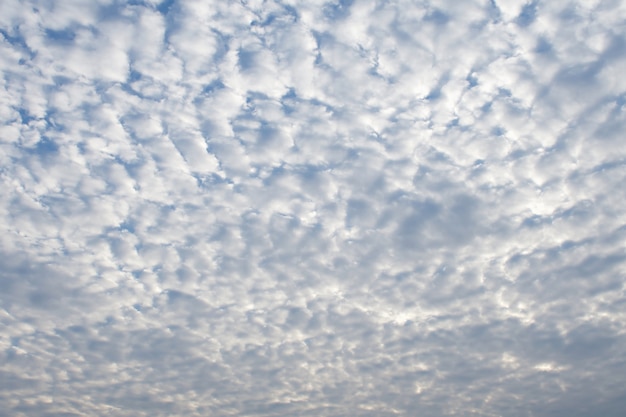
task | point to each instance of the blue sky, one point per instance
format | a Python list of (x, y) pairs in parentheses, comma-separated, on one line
[(312, 208)]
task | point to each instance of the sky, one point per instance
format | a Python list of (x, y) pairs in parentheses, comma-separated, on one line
[(352, 208)]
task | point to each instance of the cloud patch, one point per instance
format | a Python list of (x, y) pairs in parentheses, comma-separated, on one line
[(320, 208)]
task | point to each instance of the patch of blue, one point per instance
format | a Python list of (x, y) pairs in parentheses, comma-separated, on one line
[(339, 10), (543, 46), (213, 86), (437, 17), (246, 59), (535, 221), (25, 116), (288, 100), (128, 226), (64, 36), (527, 15), (14, 40), (46, 146), (471, 80), (134, 76), (494, 11), (165, 6), (498, 131), (290, 94), (434, 94), (292, 11)]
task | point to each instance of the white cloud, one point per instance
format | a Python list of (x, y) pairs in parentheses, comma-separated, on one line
[(312, 208)]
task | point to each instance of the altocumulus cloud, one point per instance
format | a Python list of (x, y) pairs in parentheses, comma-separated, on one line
[(312, 208)]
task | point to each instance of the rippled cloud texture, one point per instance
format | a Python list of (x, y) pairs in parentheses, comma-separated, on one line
[(312, 208)]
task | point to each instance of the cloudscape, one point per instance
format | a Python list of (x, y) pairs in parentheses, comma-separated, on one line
[(319, 208)]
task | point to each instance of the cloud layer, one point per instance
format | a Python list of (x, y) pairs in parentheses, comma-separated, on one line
[(269, 208)]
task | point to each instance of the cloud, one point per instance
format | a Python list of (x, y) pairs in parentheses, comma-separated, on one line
[(312, 208)]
